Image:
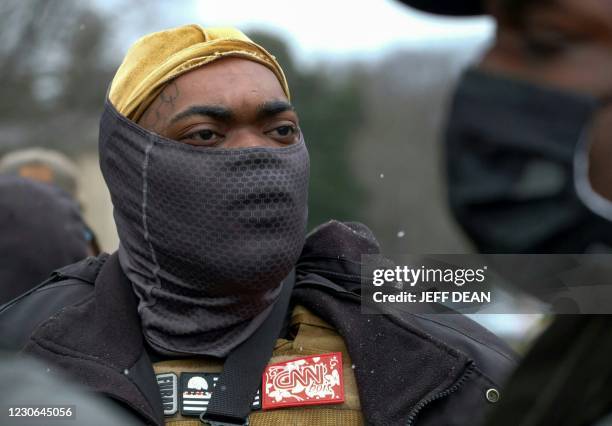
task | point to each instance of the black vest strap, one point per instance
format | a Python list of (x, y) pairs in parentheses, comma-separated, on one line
[(241, 377)]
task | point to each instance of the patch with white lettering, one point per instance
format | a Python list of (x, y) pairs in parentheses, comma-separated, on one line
[(167, 383), (312, 380), (197, 390)]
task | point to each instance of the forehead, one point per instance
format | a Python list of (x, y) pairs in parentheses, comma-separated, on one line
[(36, 171), (228, 81)]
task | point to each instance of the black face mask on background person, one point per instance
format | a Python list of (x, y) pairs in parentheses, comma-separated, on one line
[(517, 168), (206, 234)]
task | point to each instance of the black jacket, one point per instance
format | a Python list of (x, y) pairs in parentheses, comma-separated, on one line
[(564, 379), (414, 369)]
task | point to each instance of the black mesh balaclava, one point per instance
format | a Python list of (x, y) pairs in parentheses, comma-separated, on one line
[(207, 234)]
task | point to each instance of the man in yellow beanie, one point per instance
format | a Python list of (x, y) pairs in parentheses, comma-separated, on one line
[(217, 308)]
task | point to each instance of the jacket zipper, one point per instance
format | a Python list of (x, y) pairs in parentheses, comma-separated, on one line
[(416, 410)]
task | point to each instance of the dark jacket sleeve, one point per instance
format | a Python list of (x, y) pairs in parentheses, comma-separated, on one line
[(19, 318), (65, 287)]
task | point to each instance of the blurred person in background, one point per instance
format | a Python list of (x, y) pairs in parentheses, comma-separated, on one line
[(528, 133), (51, 167), (43, 165), (529, 164), (208, 172), (41, 230)]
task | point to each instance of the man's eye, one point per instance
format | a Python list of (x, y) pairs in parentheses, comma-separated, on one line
[(285, 130), (202, 137), (546, 43), (285, 133)]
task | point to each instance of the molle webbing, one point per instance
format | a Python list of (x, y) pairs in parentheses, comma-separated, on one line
[(312, 336)]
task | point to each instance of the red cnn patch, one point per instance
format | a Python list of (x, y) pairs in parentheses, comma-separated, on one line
[(311, 380)]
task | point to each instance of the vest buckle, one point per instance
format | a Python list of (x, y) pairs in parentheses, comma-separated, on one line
[(225, 421)]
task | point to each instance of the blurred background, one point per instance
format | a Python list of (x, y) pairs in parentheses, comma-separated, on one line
[(370, 81)]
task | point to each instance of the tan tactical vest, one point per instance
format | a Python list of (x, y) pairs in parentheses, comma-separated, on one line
[(313, 336)]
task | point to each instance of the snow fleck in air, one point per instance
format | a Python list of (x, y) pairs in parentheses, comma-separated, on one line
[(126, 372), (353, 366), (401, 234), (382, 175)]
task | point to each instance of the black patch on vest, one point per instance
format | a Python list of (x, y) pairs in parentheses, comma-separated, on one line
[(196, 392)]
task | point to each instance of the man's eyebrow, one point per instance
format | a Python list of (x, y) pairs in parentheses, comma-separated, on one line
[(217, 112), (271, 108)]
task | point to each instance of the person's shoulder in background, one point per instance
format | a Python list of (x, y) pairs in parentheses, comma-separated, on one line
[(66, 286)]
